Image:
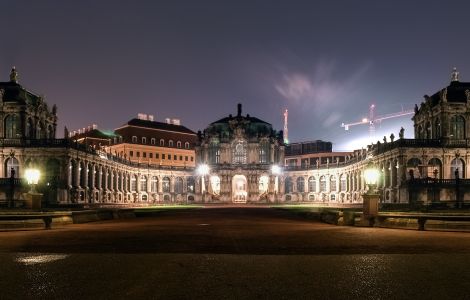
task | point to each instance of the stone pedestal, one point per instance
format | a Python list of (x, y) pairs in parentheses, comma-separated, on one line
[(33, 200), (370, 208)]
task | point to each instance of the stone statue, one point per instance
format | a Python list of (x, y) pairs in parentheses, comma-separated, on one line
[(455, 75), (54, 109), (385, 139), (392, 137), (416, 108), (14, 75), (401, 134), (66, 133)]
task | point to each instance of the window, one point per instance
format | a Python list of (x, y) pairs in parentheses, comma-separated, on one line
[(144, 154), (186, 145), (312, 184), (12, 164), (138, 154), (192, 158), (154, 184), (175, 157), (343, 186), (166, 184), (181, 157), (144, 140), (300, 185), (163, 155), (333, 183), (143, 183), (150, 155), (162, 142), (170, 143), (191, 185), (186, 158), (157, 155), (134, 139), (323, 184), (169, 156), (12, 127), (178, 185), (437, 129), (457, 166), (178, 144), (133, 183), (152, 141), (239, 150), (131, 153), (457, 127), (264, 152), (288, 185), (428, 130)]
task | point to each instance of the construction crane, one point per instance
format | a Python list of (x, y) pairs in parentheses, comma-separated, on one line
[(286, 132), (372, 120)]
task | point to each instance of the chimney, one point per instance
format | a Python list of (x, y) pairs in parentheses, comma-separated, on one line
[(150, 118), (141, 116), (239, 109), (94, 126), (168, 120), (176, 122)]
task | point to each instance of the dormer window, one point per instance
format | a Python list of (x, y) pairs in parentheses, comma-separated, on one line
[(134, 139), (170, 143), (144, 140), (186, 145), (152, 141), (178, 144), (162, 142)]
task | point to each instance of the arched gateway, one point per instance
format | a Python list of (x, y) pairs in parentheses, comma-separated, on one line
[(239, 189)]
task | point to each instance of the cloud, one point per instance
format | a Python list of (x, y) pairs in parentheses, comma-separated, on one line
[(322, 89)]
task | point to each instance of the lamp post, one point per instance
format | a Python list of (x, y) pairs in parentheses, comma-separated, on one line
[(203, 170), (370, 207), (276, 171), (33, 199)]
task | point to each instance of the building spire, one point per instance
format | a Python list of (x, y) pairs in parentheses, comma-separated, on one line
[(14, 75), (454, 75)]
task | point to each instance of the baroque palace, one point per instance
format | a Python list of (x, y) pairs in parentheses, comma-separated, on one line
[(237, 159)]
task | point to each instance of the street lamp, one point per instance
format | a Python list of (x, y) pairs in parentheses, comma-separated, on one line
[(33, 199), (32, 176), (202, 170), (370, 206), (276, 170)]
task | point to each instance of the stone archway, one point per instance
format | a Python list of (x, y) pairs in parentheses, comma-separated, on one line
[(239, 189)]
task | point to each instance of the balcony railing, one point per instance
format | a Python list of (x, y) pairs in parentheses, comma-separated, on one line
[(419, 143)]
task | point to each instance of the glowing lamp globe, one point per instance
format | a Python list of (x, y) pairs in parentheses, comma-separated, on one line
[(371, 176), (32, 176)]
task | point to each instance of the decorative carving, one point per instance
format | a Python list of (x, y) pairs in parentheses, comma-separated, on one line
[(444, 95), (467, 93), (2, 92), (14, 75)]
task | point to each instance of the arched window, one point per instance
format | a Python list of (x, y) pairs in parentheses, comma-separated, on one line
[(435, 168), (191, 185), (239, 150), (144, 197), (152, 141), (323, 184), (437, 129), (178, 144), (12, 126), (179, 185), (343, 183), (288, 185), (29, 129), (312, 184), (166, 184), (144, 140), (170, 143), (457, 166), (143, 183), (413, 166), (162, 142), (12, 167), (186, 145), (214, 152), (300, 184), (333, 183), (134, 139), (154, 184), (457, 127)]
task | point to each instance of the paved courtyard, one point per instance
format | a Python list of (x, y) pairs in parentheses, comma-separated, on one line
[(232, 253)]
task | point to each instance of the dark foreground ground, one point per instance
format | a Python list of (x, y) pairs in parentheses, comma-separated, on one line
[(232, 253)]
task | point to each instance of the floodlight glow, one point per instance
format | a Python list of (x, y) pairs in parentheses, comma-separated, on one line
[(203, 169), (276, 170), (371, 176)]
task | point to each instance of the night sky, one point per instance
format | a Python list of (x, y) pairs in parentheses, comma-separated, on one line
[(105, 61)]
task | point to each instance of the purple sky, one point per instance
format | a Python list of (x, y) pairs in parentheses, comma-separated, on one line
[(103, 62)]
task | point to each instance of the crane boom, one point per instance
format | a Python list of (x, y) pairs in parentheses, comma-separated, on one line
[(372, 120)]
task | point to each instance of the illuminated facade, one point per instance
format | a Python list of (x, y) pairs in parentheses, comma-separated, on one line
[(237, 159)]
